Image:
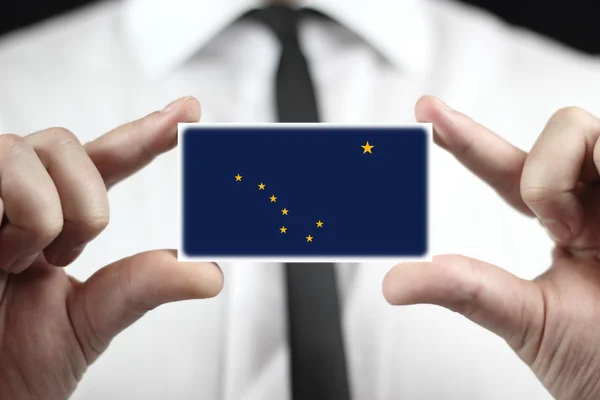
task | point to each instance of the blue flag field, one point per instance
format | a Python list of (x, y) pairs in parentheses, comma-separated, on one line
[(304, 192)]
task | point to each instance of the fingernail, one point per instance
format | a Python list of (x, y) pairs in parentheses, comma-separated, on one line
[(557, 230), (171, 105)]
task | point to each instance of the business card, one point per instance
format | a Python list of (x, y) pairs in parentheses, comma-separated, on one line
[(304, 192)]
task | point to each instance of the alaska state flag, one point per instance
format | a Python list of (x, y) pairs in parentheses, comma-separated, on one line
[(285, 192)]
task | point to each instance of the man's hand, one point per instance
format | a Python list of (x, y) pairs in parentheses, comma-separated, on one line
[(54, 201), (552, 323)]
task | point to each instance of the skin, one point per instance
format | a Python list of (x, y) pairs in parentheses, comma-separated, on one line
[(551, 322), (53, 194)]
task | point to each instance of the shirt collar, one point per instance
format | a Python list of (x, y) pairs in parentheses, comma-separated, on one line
[(165, 33)]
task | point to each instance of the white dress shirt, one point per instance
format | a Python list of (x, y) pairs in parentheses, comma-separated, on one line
[(116, 61)]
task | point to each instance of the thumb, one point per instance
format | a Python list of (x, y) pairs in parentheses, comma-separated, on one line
[(119, 294), (511, 307)]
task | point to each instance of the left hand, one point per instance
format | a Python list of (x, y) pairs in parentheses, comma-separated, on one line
[(552, 323), (53, 327)]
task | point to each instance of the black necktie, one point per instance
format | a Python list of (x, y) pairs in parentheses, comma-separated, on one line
[(318, 362)]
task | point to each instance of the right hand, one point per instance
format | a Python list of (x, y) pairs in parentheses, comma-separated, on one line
[(54, 201), (552, 321)]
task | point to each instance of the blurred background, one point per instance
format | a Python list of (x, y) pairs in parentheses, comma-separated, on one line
[(574, 23)]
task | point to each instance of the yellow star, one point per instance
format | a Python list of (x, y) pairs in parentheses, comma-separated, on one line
[(367, 147), (284, 211), (238, 177), (283, 229), (273, 199), (319, 224), (261, 186), (309, 238)]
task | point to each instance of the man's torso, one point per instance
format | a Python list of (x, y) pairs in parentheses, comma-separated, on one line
[(81, 73)]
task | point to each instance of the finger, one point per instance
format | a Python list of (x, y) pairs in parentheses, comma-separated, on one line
[(119, 294), (554, 169), (81, 190), (32, 211), (128, 148), (487, 295), (484, 153)]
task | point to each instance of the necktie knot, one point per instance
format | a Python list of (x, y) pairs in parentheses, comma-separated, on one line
[(282, 20)]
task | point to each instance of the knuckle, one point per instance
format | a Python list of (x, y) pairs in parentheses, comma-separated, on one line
[(62, 137), (136, 303), (535, 194), (464, 148), (47, 228), (95, 222), (11, 143), (473, 291), (570, 114)]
